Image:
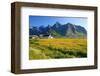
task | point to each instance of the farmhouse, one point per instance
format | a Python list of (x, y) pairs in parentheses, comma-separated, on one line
[(33, 36), (40, 36), (50, 36)]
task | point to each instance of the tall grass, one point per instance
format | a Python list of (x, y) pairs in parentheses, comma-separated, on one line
[(57, 48)]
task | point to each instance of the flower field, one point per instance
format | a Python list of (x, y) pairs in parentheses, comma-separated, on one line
[(57, 48)]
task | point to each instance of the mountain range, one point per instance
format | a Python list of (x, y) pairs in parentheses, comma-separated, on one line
[(60, 30)]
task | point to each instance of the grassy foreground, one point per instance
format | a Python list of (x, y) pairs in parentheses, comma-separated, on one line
[(57, 48)]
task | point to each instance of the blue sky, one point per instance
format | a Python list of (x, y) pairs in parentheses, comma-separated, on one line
[(45, 20)]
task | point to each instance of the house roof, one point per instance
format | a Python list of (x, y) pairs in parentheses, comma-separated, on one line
[(33, 36)]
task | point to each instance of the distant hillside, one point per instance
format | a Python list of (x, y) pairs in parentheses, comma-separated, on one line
[(58, 30)]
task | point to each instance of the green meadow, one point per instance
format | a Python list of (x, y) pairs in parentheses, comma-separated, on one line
[(57, 48)]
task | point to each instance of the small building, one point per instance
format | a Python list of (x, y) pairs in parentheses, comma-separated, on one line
[(50, 36), (40, 36), (33, 36)]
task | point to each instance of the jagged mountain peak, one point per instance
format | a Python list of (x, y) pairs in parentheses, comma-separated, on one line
[(62, 30), (57, 24)]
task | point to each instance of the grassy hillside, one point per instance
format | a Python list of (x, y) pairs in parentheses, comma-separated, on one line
[(57, 48)]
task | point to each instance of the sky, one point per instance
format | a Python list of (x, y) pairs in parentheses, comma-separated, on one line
[(51, 20)]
